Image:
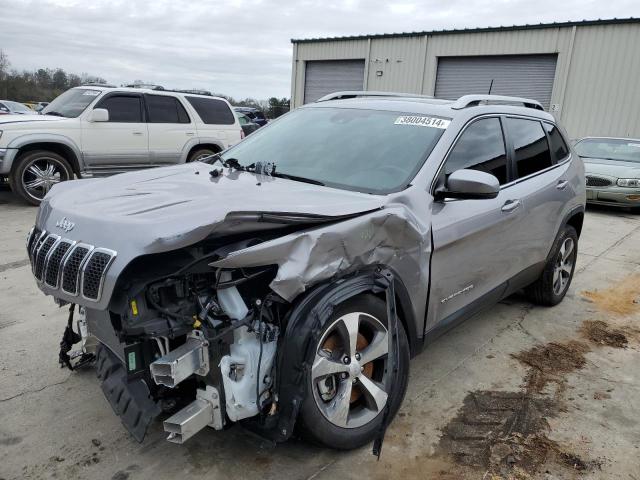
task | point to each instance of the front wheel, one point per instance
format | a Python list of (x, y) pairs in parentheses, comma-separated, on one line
[(556, 277), (36, 172), (350, 381)]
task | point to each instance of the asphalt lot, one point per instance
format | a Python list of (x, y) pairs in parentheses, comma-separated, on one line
[(519, 390)]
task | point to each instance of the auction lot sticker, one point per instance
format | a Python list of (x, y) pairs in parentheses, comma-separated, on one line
[(421, 121)]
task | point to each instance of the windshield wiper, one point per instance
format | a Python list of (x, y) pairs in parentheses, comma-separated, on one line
[(297, 178), (55, 114), (268, 169)]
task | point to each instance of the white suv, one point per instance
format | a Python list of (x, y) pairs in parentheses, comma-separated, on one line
[(101, 130)]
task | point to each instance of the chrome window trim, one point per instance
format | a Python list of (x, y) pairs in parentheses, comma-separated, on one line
[(48, 256), (80, 267), (108, 251), (62, 262), (498, 115)]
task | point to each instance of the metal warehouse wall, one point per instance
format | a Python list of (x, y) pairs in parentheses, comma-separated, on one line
[(595, 89)]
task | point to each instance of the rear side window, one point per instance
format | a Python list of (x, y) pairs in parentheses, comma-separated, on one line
[(212, 111), (480, 147), (123, 109), (559, 149), (164, 109), (530, 145)]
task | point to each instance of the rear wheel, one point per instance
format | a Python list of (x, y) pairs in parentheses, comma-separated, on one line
[(36, 172), (350, 381), (200, 154), (556, 277)]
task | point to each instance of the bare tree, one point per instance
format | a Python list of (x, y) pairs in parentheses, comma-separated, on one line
[(4, 70)]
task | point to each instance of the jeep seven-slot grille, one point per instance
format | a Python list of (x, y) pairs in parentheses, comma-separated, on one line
[(71, 269), (75, 268), (93, 274), (597, 181), (41, 255), (52, 273)]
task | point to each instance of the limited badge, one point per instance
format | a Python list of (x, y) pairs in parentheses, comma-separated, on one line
[(420, 121)]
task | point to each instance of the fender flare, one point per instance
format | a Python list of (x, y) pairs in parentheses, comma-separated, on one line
[(33, 138), (194, 142)]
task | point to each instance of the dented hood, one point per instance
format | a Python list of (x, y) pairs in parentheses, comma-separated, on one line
[(166, 205), (164, 209)]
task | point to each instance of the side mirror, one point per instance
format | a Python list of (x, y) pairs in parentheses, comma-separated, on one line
[(470, 184), (99, 115)]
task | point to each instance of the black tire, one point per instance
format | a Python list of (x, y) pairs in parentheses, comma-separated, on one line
[(21, 176), (314, 426), (544, 291), (201, 152)]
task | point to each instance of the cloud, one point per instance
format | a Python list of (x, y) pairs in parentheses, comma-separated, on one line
[(238, 47)]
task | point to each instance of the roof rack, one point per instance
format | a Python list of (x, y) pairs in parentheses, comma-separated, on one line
[(475, 100), (149, 86), (357, 93), (97, 85)]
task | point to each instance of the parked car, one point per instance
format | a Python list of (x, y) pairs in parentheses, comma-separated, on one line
[(288, 283), (247, 125), (612, 167), (256, 116), (7, 107), (100, 130)]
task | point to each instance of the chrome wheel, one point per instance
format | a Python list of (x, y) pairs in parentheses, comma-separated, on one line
[(564, 266), (42, 173), (348, 375)]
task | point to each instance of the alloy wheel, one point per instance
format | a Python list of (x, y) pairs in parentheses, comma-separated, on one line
[(42, 173), (349, 373), (564, 266)]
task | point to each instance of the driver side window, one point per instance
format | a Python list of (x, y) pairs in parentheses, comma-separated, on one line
[(480, 147)]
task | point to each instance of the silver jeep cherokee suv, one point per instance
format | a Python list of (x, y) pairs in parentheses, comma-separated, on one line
[(287, 281)]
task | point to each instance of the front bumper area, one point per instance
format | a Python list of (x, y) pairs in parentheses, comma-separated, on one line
[(614, 196), (7, 156)]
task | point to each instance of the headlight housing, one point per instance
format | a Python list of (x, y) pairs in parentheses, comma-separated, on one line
[(628, 182)]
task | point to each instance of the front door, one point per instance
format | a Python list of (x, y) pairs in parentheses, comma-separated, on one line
[(120, 144), (475, 242)]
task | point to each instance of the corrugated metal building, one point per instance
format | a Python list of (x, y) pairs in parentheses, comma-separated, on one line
[(585, 73)]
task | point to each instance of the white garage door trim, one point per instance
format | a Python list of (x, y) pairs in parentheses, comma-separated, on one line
[(529, 76), (328, 76)]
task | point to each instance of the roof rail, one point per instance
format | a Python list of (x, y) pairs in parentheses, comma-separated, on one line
[(475, 100), (97, 85), (358, 93), (149, 86)]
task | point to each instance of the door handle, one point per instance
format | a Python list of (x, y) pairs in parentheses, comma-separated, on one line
[(562, 184), (511, 205), (137, 133), (189, 134)]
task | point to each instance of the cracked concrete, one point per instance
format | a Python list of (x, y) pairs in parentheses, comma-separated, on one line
[(49, 418)]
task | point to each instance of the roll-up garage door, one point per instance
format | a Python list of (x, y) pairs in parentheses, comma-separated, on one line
[(529, 76), (328, 76)]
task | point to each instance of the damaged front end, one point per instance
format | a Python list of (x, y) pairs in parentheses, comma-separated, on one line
[(213, 326)]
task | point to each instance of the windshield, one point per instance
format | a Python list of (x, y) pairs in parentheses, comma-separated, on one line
[(71, 103), (609, 148), (18, 107), (365, 150)]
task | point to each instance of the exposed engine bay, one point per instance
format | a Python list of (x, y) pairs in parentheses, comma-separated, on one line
[(202, 341)]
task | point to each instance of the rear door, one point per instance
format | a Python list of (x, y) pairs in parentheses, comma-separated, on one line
[(542, 182), (170, 128), (476, 243), (122, 142)]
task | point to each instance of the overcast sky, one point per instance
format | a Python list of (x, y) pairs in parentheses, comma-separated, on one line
[(237, 47)]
